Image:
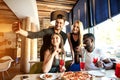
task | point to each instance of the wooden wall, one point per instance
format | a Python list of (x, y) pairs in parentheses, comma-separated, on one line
[(7, 44)]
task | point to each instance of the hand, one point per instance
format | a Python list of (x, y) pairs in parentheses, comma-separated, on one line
[(72, 62), (57, 51), (62, 68), (78, 49), (99, 64), (16, 27)]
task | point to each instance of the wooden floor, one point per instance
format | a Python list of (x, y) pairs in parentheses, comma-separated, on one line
[(13, 70)]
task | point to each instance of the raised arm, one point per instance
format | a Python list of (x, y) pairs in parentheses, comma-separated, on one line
[(17, 29), (29, 34)]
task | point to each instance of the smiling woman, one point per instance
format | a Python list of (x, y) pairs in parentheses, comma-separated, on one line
[(53, 55)]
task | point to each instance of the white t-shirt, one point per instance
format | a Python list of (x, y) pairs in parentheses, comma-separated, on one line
[(89, 65)]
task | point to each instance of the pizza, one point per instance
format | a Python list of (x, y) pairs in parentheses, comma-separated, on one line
[(80, 75), (47, 76)]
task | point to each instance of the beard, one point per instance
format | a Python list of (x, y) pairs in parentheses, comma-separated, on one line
[(89, 48)]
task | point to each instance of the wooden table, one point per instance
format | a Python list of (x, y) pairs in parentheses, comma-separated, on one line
[(108, 73)]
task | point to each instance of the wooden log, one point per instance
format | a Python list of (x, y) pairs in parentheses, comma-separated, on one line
[(33, 56), (26, 53)]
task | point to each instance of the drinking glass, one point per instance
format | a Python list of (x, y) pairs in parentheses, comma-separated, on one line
[(82, 59), (95, 60), (61, 61), (82, 64), (117, 70)]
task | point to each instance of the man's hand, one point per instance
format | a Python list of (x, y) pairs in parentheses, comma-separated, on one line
[(99, 64), (16, 27)]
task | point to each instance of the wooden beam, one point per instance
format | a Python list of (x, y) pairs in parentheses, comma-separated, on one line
[(43, 13), (9, 21), (49, 9), (39, 5), (3, 6), (7, 17), (65, 2), (6, 12), (1, 0)]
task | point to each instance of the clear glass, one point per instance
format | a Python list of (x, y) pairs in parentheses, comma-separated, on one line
[(82, 59), (117, 69), (82, 64), (61, 61)]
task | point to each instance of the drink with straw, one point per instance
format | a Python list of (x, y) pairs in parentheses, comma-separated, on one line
[(61, 62), (82, 59), (82, 64), (117, 70), (95, 60)]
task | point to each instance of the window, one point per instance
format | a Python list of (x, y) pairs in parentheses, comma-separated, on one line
[(107, 36)]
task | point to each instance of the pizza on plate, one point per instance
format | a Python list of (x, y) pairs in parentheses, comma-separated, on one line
[(80, 75), (47, 76)]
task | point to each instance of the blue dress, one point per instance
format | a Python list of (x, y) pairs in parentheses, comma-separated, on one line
[(74, 67)]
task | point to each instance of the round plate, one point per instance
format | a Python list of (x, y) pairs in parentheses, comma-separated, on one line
[(108, 78), (96, 73), (54, 76)]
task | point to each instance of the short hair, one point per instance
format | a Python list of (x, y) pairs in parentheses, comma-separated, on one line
[(60, 16), (89, 35)]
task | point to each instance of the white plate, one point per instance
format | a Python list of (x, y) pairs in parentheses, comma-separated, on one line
[(96, 73), (54, 76), (108, 78)]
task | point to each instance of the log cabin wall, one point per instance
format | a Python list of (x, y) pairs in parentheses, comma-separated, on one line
[(8, 44)]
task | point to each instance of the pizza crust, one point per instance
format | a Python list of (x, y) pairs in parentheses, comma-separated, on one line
[(80, 75)]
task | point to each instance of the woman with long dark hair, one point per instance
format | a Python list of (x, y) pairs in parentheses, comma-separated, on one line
[(53, 55)]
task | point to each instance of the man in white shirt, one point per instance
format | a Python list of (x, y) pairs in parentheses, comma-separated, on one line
[(94, 58)]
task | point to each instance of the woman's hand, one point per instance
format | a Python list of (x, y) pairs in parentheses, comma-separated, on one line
[(57, 51), (62, 68), (78, 49)]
